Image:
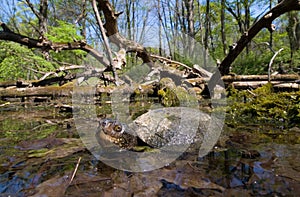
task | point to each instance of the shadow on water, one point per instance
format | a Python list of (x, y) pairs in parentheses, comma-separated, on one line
[(40, 147)]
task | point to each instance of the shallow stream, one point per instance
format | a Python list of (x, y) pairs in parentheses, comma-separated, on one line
[(40, 149)]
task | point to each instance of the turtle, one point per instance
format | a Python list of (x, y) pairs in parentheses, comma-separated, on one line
[(156, 128)]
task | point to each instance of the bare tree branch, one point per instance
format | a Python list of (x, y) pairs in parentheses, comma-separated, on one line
[(113, 34), (105, 39), (8, 35), (265, 22), (31, 6), (271, 62)]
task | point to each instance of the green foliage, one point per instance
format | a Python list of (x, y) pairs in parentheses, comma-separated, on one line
[(65, 32), (17, 61), (264, 105), (258, 57), (252, 63), (182, 58), (256, 62)]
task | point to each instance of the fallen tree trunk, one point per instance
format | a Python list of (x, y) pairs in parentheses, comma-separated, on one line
[(21, 89), (256, 84), (288, 77), (49, 91), (6, 84), (282, 82)]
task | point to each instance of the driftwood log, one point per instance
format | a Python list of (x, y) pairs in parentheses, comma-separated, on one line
[(49, 91), (284, 82), (282, 85), (279, 77), (26, 89)]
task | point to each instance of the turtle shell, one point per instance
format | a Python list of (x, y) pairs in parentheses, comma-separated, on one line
[(170, 126)]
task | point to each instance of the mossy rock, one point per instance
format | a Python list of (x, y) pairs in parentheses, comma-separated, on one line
[(174, 96)]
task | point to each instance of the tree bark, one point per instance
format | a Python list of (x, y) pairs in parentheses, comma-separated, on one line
[(189, 4), (247, 19), (159, 31), (257, 84), (271, 32), (43, 17), (290, 77), (50, 91), (207, 25), (81, 20), (293, 30), (223, 34), (127, 8), (163, 23)]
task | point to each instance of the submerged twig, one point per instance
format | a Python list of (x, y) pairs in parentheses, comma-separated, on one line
[(75, 170)]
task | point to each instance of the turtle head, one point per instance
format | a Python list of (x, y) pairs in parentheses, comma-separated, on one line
[(115, 132), (112, 128)]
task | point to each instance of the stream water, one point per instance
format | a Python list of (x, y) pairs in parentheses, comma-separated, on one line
[(40, 149)]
